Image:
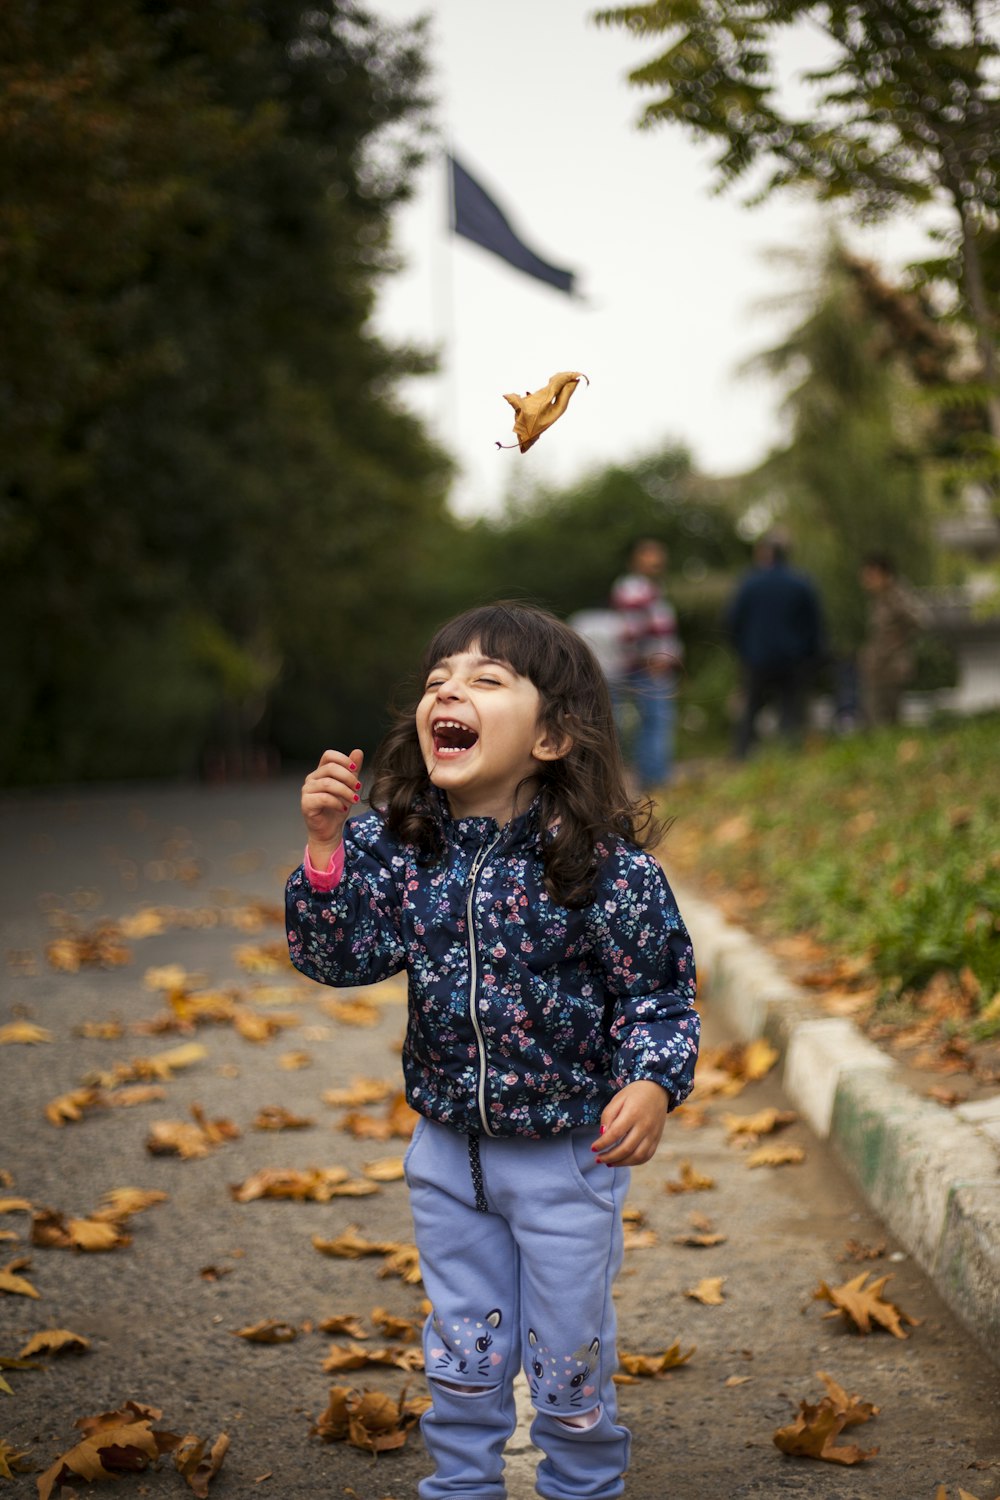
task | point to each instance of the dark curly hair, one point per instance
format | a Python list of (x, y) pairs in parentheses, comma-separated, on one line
[(584, 792)]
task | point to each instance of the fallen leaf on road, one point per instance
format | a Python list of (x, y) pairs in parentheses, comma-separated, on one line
[(270, 1331), (361, 1091), (128, 1447), (776, 1156), (403, 1330), (276, 1117), (734, 1380), (708, 1291), (120, 1203), (23, 1031), (403, 1262), (355, 1357), (651, 1365), (699, 1241), (101, 947), (196, 1465), (178, 1138), (855, 1250), (351, 1245), (690, 1181), (371, 1421), (262, 958), (12, 1461), (399, 1120), (384, 1169), (14, 1285), (312, 1185), (344, 1323), (54, 1341), (15, 1205), (814, 1432), (638, 1239), (752, 1127), (862, 1305), (52, 1230), (293, 1061), (352, 1012)]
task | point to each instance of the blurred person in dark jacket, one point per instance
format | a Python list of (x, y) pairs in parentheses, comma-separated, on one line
[(887, 659), (775, 624)]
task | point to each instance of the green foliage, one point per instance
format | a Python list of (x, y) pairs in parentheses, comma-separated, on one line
[(852, 478), (194, 211), (882, 845)]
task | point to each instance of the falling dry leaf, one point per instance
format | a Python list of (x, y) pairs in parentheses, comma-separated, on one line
[(23, 1031), (814, 1432), (690, 1181), (864, 1305), (776, 1156), (55, 1341), (270, 1331), (536, 411), (708, 1291)]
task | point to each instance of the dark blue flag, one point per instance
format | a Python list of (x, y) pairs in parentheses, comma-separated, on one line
[(475, 216)]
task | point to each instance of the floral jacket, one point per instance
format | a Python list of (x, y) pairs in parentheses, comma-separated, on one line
[(525, 1017)]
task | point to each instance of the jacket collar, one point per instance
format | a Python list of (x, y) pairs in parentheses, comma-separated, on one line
[(474, 832)]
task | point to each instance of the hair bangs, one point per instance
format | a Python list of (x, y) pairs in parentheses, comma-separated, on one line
[(525, 638)]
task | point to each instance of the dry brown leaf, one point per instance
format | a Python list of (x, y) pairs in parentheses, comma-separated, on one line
[(351, 1245), (23, 1031), (55, 1341), (734, 1380), (690, 1181), (101, 947), (129, 1447), (52, 1230), (178, 1138), (147, 922), (12, 1460), (262, 958), (776, 1156), (14, 1285), (398, 1120), (655, 1364), (708, 1291), (343, 1323), (353, 1012), (72, 1106), (292, 1062), (313, 1185), (196, 1465), (814, 1432), (403, 1330), (276, 1117), (172, 978), (269, 1331), (15, 1205), (864, 1305), (384, 1169), (536, 411), (361, 1091), (639, 1239), (371, 1420), (699, 1241), (403, 1262), (856, 1251), (133, 1094), (763, 1122)]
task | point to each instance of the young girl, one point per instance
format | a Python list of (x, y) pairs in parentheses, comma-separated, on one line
[(551, 1025)]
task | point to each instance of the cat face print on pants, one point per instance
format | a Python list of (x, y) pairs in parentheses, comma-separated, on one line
[(561, 1382), (464, 1349)]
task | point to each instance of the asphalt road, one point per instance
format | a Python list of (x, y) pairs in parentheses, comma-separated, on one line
[(161, 1312)]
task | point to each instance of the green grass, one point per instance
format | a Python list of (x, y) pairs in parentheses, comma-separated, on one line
[(884, 845)]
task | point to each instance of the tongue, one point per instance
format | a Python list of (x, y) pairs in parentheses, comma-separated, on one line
[(455, 739)]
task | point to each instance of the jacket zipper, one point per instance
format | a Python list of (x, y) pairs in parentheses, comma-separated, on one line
[(477, 864)]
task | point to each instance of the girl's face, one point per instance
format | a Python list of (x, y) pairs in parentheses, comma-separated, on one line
[(479, 734)]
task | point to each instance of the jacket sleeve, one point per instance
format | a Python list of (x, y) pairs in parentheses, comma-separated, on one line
[(352, 934), (649, 974)]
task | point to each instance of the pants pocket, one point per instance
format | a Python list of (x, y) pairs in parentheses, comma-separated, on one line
[(592, 1177)]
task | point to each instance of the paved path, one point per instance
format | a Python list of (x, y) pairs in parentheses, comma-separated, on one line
[(160, 1313)]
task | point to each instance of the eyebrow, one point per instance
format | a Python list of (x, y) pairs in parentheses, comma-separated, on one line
[(477, 661)]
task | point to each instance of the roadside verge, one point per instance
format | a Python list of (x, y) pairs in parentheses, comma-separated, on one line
[(931, 1174)]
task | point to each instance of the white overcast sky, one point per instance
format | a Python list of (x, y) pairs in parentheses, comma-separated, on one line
[(679, 285)]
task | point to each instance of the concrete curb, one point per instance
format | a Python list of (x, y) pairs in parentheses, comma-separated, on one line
[(931, 1174)]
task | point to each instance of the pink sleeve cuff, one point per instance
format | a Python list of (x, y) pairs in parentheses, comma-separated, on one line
[(325, 880)]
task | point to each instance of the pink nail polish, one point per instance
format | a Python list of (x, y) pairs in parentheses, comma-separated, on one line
[(357, 786), (352, 766), (355, 796)]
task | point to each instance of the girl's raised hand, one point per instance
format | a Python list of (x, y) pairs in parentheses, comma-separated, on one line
[(328, 795)]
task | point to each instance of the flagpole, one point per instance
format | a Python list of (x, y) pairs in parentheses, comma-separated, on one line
[(443, 294)]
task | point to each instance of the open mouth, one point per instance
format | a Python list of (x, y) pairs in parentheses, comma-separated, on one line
[(452, 738)]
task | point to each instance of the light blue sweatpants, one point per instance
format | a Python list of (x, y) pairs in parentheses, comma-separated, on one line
[(527, 1279)]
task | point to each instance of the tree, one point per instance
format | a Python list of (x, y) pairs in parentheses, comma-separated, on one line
[(906, 112), (208, 484), (852, 478)]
